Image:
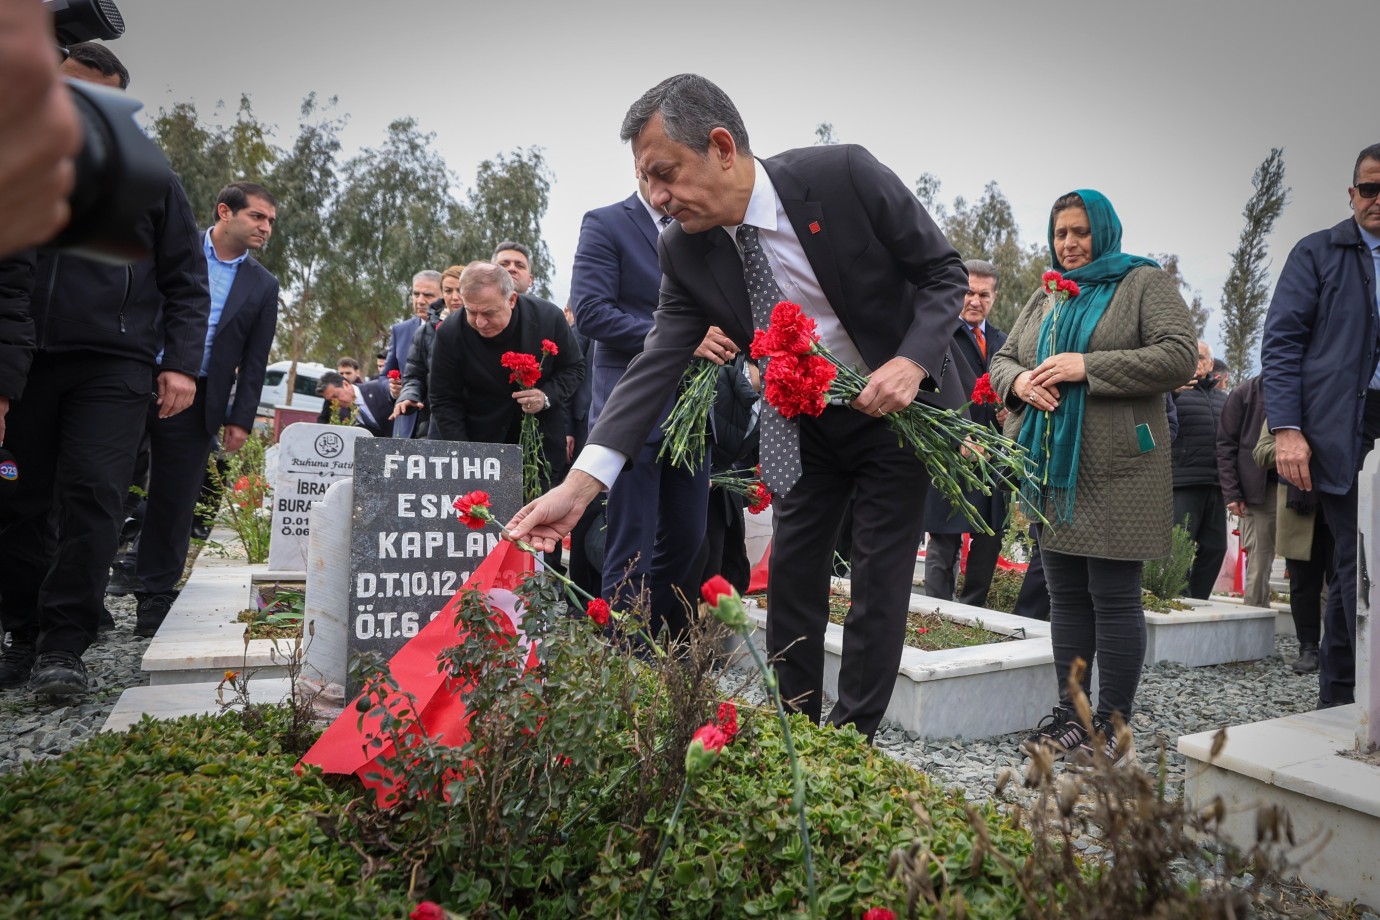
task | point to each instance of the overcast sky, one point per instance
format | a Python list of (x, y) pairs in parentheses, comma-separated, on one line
[(1167, 107)]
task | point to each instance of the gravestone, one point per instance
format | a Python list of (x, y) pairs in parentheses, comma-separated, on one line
[(310, 458), (1367, 601), (327, 606), (409, 553)]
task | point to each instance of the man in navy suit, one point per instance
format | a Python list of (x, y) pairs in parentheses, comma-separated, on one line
[(426, 290), (846, 239), (244, 314), (976, 340), (656, 511), (343, 400), (1318, 358)]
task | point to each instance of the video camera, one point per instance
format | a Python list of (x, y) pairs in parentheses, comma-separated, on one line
[(120, 172)]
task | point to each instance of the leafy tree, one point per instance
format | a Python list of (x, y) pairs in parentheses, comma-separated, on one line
[(508, 201), (207, 157), (394, 216), (1244, 294), (986, 229), (304, 181), (927, 190), (1170, 263), (824, 134)]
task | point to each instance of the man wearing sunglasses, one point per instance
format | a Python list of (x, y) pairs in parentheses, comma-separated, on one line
[(1322, 393)]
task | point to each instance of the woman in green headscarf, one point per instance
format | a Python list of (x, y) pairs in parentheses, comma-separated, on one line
[(1085, 380)]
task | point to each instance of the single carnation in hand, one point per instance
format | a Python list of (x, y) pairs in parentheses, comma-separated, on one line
[(474, 509), (548, 347), (983, 392), (395, 374)]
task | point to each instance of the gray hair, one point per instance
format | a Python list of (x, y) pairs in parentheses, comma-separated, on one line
[(690, 107), (981, 268), (478, 275), (429, 275)]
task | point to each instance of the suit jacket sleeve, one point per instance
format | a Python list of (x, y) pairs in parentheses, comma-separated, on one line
[(446, 385), (414, 377), (595, 287), (569, 365), (180, 269), (1286, 337), (16, 325), (908, 232), (253, 362), (1229, 444), (651, 378), (393, 362)]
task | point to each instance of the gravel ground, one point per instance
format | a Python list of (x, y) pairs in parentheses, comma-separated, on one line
[(1173, 700)]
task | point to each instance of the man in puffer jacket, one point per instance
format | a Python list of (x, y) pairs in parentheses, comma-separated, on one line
[(1197, 491)]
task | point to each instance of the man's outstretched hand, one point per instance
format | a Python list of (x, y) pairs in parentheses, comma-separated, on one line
[(546, 520)]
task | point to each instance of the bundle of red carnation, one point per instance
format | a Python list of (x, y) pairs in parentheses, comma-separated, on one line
[(525, 372), (802, 377)]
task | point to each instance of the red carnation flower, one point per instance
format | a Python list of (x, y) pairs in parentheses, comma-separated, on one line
[(474, 509), (796, 386), (1049, 276), (598, 611), (525, 369), (395, 374), (548, 347), (760, 498), (983, 392), (715, 588), (879, 913), (1068, 287), (728, 720), (428, 910)]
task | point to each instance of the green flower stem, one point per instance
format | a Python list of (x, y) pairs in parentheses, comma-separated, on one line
[(688, 422), (797, 777), (661, 848)]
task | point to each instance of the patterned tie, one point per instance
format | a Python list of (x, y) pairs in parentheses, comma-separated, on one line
[(981, 340), (780, 453), (663, 222)]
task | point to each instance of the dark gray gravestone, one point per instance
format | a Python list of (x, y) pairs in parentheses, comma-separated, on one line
[(409, 553)]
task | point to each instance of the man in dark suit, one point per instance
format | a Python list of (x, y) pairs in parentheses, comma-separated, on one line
[(244, 315), (426, 290), (976, 341), (472, 398), (343, 402), (841, 235), (1318, 357), (656, 510)]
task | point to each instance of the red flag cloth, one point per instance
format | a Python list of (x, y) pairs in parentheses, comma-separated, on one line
[(758, 580), (345, 745)]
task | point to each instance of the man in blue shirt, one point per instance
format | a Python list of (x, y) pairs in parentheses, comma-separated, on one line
[(1318, 360), (244, 312)]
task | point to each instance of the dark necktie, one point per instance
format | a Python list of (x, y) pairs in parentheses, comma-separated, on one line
[(780, 452), (664, 222), (981, 340)]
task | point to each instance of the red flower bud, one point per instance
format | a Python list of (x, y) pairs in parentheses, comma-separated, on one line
[(428, 910), (715, 588), (879, 913)]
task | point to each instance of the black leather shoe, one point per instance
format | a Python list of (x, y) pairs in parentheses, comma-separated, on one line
[(106, 621), (1307, 662), (122, 582), (153, 609), (58, 674), (16, 664)]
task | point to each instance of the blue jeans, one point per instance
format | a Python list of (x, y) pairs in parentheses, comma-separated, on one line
[(1095, 609)]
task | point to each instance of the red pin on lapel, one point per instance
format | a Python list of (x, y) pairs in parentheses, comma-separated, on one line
[(814, 226)]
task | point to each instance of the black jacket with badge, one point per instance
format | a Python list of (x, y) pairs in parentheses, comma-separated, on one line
[(133, 311)]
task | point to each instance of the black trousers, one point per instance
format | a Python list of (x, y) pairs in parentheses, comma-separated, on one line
[(725, 541), (845, 453), (1337, 653), (656, 515), (74, 436), (1207, 525), (179, 448), (1095, 609), (941, 566), (1307, 578), (1033, 601)]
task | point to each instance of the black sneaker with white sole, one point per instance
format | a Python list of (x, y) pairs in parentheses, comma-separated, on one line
[(1057, 734), (58, 674)]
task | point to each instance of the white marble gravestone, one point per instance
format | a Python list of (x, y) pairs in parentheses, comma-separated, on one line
[(1367, 599), (310, 458), (328, 587)]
